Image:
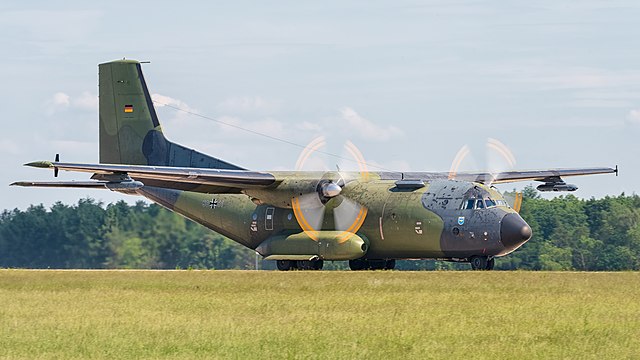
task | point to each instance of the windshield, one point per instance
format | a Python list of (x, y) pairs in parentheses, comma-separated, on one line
[(485, 203)]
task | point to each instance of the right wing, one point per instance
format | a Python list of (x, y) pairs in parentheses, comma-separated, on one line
[(547, 175)]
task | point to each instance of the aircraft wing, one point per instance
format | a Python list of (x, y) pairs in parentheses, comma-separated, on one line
[(130, 177), (547, 176)]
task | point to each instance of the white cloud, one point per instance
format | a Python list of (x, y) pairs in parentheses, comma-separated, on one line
[(163, 100), (179, 109), (62, 101), (634, 117), (366, 128)]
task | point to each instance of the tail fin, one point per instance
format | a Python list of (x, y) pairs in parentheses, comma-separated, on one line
[(130, 132)]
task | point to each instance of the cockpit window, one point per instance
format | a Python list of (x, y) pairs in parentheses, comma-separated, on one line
[(469, 204), (490, 203), (486, 203)]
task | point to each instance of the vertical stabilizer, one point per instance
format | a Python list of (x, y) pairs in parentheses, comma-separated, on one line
[(130, 132)]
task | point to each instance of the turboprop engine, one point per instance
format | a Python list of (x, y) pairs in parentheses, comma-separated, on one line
[(557, 186)]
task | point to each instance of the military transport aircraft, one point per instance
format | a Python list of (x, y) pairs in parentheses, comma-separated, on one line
[(301, 218)]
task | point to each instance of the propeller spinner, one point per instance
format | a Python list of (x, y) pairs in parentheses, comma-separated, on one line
[(310, 208)]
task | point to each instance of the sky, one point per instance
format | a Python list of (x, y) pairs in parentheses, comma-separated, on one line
[(408, 82)]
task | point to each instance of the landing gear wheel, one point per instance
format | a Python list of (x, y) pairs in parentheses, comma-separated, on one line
[(316, 264), (491, 263), (284, 265), (479, 262), (357, 264), (390, 264)]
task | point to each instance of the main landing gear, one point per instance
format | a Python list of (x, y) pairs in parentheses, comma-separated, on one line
[(482, 263), (363, 264), (285, 265)]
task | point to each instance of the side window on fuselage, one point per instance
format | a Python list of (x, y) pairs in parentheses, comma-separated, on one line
[(479, 204)]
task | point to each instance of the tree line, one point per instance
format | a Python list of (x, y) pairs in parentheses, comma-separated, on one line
[(569, 234)]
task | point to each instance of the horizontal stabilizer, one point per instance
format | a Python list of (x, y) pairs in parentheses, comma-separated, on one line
[(63, 184)]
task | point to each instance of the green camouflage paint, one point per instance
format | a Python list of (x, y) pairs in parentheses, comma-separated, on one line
[(400, 223)]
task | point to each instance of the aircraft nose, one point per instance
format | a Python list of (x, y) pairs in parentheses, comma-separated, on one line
[(514, 231)]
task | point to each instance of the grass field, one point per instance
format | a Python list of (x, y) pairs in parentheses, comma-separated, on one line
[(373, 315)]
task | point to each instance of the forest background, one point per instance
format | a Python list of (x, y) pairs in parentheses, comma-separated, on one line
[(568, 234)]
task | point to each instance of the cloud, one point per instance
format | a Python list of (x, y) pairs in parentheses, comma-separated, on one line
[(248, 104), (161, 101), (634, 117), (366, 128), (61, 101), (230, 125)]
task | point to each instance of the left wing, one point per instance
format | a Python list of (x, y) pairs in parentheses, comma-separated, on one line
[(131, 177)]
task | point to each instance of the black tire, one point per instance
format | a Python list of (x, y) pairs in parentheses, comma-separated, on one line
[(377, 264), (491, 263), (284, 265), (390, 264), (316, 264), (478, 262), (357, 265)]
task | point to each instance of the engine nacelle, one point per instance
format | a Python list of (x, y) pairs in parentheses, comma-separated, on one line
[(326, 245), (557, 186)]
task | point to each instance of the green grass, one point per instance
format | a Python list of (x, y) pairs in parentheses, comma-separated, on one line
[(348, 315)]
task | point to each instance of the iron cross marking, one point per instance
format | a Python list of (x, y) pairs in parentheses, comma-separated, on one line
[(213, 203)]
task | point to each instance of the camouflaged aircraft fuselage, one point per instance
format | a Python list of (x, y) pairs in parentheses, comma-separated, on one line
[(401, 215), (428, 222)]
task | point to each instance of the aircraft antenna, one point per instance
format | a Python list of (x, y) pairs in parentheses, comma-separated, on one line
[(269, 136)]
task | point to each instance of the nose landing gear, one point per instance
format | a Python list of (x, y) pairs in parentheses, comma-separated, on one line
[(482, 263)]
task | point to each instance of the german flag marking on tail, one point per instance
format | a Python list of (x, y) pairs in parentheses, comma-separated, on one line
[(128, 108)]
